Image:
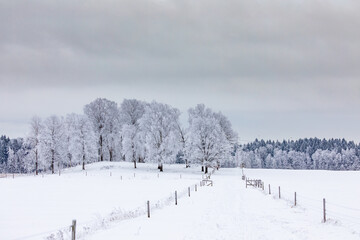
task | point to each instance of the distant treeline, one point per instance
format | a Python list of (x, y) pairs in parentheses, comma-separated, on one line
[(308, 153)]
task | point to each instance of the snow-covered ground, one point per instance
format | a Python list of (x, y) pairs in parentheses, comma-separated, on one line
[(33, 205), (114, 207)]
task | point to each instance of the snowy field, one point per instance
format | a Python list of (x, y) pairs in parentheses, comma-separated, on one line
[(339, 188), (33, 205), (109, 202)]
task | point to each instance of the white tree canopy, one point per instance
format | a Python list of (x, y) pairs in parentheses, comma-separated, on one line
[(53, 143), (160, 131), (207, 140)]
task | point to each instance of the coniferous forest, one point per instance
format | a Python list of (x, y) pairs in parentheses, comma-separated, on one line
[(307, 153)]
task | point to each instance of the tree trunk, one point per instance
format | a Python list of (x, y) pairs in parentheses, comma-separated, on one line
[(161, 167), (100, 150), (187, 164), (133, 157), (111, 155), (83, 163), (36, 162), (52, 161), (206, 169), (202, 168)]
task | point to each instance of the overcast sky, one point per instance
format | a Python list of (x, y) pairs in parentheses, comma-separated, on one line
[(278, 69)]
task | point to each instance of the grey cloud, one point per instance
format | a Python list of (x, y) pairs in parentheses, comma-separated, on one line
[(235, 56), (111, 40)]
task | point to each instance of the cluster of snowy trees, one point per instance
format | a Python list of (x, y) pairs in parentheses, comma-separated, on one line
[(312, 153), (134, 131)]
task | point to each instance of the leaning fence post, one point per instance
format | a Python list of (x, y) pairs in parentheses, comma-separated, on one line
[(269, 190), (295, 199), (324, 209), (279, 193), (148, 208), (175, 197), (73, 230)]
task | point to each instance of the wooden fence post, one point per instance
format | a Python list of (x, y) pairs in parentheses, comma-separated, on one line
[(262, 184), (295, 199), (189, 191), (73, 230), (279, 193), (324, 209), (175, 197), (269, 190), (148, 208), (195, 187)]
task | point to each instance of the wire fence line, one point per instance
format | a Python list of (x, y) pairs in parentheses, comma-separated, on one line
[(85, 228), (334, 212)]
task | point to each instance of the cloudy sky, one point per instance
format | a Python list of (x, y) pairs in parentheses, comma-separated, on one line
[(278, 69)]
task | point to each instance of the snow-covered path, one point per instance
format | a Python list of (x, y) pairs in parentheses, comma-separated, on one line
[(227, 211)]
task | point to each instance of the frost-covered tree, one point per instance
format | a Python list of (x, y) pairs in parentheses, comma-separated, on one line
[(81, 139), (226, 127), (53, 142), (69, 128), (104, 116), (12, 162), (4, 148), (269, 161), (159, 129), (207, 142), (183, 138), (131, 111), (33, 142)]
